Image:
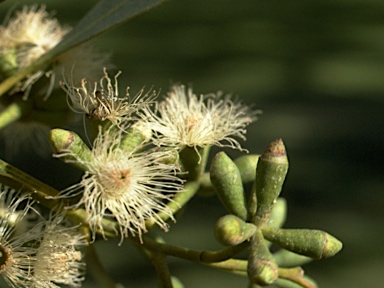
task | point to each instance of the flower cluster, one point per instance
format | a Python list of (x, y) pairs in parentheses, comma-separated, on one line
[(43, 256), (132, 184)]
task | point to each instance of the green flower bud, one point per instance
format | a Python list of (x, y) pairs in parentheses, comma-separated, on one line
[(136, 135), (285, 258), (246, 165), (262, 269), (231, 230), (278, 213), (226, 178), (313, 243), (63, 141), (271, 170)]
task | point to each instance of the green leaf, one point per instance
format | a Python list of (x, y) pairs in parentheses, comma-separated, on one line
[(105, 15)]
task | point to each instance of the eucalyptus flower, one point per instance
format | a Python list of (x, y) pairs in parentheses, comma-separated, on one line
[(58, 259), (29, 34), (16, 257), (124, 185), (184, 119), (100, 100)]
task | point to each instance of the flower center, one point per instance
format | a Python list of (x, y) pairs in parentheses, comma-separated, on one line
[(5, 257)]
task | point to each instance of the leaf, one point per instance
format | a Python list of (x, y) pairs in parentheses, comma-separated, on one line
[(105, 15)]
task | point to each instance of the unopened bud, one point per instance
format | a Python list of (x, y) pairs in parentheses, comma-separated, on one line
[(262, 269), (136, 135), (271, 170), (312, 243), (278, 213), (63, 141), (247, 167), (226, 178), (231, 230)]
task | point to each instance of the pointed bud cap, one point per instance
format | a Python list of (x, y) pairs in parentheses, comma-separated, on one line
[(312, 243), (271, 170)]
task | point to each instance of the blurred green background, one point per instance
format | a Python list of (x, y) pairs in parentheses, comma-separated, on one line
[(316, 69)]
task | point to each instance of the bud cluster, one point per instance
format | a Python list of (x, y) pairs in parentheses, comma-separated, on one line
[(259, 218)]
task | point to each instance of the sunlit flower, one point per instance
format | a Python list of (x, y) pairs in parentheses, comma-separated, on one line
[(58, 260), (125, 185), (31, 33), (15, 256), (101, 101), (185, 119)]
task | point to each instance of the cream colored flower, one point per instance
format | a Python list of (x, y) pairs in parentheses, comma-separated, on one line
[(58, 260), (16, 257), (129, 187), (101, 101), (29, 34), (185, 119)]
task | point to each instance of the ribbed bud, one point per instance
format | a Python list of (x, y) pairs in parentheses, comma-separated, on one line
[(312, 243), (63, 141), (271, 170), (230, 230), (226, 178), (262, 269)]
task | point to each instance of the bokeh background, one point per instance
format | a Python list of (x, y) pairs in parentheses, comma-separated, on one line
[(315, 68)]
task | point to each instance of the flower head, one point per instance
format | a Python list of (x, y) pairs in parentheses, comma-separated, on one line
[(15, 257), (31, 33), (101, 101), (28, 35), (58, 260), (185, 119), (127, 186)]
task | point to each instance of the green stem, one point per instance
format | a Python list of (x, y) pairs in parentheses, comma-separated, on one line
[(189, 254), (159, 261), (17, 179), (232, 265), (296, 275)]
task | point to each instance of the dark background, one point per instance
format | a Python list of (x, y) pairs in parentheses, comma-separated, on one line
[(316, 69)]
